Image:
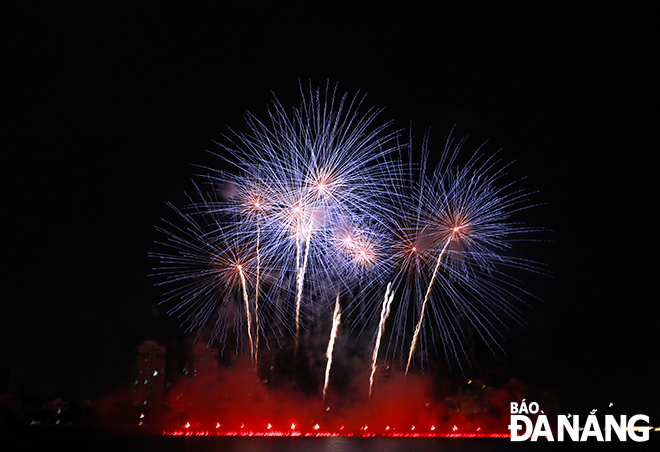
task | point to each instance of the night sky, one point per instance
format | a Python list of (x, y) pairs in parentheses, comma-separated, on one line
[(109, 108)]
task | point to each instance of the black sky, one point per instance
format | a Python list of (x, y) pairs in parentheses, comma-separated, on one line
[(110, 107)]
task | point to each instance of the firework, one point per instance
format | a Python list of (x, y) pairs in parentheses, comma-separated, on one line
[(385, 312), (211, 271), (248, 315), (297, 179), (316, 204), (466, 212), (426, 299), (300, 176), (336, 319)]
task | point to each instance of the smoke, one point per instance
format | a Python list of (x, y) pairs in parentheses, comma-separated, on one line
[(286, 391), (228, 190)]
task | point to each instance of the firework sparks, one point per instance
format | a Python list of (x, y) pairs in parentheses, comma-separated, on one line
[(426, 299), (443, 241), (385, 312), (256, 300), (336, 319), (299, 175), (210, 269), (248, 315), (467, 213), (301, 279)]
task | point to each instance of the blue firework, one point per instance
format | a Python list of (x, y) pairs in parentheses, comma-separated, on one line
[(458, 255), (318, 204), (299, 181)]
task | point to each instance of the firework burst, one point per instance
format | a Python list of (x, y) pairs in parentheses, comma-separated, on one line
[(465, 217), (336, 320), (317, 209), (211, 272), (298, 180)]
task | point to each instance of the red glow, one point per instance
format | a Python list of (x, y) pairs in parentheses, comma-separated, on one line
[(318, 433), (245, 406)]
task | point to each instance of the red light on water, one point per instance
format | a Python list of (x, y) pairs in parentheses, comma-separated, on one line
[(314, 429), (389, 432)]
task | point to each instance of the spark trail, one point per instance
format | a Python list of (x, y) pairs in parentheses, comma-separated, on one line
[(247, 313), (256, 300), (336, 319), (426, 299), (328, 168), (384, 313), (301, 280)]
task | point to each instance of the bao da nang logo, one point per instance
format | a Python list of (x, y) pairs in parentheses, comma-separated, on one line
[(572, 427)]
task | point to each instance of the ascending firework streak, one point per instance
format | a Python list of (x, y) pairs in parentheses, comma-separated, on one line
[(247, 313), (256, 301), (387, 303), (301, 280), (426, 299), (336, 318), (327, 169)]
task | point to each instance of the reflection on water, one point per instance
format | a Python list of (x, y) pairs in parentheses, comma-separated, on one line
[(79, 440), (377, 444), (340, 444)]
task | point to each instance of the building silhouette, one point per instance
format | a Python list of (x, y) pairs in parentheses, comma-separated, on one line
[(148, 382), (10, 393), (204, 362)]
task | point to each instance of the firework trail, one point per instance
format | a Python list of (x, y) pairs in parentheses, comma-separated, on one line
[(385, 312), (411, 247), (468, 211), (301, 280), (309, 170), (443, 242), (210, 270), (426, 299), (256, 300), (336, 319), (247, 314)]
